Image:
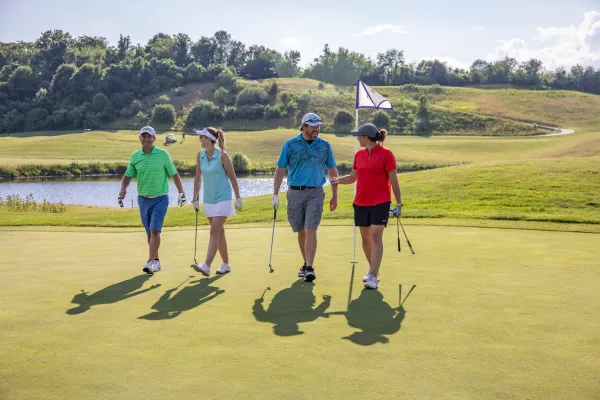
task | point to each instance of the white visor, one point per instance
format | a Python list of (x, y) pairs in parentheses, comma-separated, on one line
[(206, 133)]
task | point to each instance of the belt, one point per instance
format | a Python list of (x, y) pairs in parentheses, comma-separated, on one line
[(302, 187), (152, 197)]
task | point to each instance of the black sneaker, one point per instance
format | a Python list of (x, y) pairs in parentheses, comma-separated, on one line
[(309, 274), (302, 271)]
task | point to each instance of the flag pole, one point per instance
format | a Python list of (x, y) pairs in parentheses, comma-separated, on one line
[(355, 150)]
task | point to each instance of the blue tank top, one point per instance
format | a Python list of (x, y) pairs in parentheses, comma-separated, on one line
[(216, 185)]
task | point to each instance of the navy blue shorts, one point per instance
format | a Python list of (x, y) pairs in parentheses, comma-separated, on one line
[(153, 211)]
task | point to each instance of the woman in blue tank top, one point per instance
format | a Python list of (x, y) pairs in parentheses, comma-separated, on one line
[(215, 169)]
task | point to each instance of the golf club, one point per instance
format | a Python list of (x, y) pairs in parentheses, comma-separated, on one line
[(407, 241), (195, 264), (398, 232), (120, 201), (272, 239), (408, 294)]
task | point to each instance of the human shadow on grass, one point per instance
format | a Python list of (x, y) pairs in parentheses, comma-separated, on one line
[(110, 294), (291, 306), (189, 297), (374, 317)]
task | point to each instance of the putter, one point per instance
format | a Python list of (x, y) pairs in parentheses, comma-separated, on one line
[(407, 241), (195, 264), (272, 239), (408, 294)]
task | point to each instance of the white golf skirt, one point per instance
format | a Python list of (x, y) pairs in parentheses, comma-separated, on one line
[(222, 209)]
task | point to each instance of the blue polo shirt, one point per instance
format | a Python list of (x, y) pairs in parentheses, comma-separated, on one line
[(307, 164)]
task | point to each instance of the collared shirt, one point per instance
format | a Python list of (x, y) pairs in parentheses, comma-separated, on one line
[(373, 184), (151, 170), (306, 163)]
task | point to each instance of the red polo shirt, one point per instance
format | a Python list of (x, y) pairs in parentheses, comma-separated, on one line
[(373, 185)]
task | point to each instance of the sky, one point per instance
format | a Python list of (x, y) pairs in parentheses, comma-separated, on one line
[(559, 33)]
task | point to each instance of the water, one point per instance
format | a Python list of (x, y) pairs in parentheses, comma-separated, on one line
[(105, 191)]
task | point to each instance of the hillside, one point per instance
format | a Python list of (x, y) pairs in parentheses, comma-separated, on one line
[(454, 111)]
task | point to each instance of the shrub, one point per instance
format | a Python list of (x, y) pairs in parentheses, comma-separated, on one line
[(285, 97), (273, 112), (227, 80), (163, 114), (139, 121), (303, 101), (204, 113), (343, 121), (241, 163), (273, 90), (230, 112), (251, 112), (251, 96), (163, 99), (381, 119), (221, 95), (322, 86)]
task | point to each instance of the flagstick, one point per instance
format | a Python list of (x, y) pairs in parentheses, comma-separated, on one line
[(355, 150)]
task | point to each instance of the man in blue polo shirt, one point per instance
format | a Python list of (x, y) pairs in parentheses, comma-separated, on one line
[(306, 157)]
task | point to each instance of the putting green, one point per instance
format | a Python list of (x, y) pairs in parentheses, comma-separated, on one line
[(495, 314)]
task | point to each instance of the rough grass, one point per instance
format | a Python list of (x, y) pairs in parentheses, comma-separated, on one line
[(494, 314)]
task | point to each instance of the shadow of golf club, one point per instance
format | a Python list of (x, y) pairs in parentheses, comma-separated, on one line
[(110, 294), (374, 318), (290, 307), (171, 305)]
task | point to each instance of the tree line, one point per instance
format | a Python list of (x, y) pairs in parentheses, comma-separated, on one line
[(60, 82)]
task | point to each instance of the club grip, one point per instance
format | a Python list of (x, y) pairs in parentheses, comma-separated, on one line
[(275, 213), (398, 244)]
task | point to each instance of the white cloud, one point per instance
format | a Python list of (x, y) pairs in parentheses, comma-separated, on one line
[(450, 61), (561, 46), (372, 30), (289, 43)]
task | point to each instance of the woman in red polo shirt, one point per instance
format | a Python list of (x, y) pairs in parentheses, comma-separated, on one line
[(375, 170)]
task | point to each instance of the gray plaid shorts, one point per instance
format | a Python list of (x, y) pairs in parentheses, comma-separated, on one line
[(305, 208)]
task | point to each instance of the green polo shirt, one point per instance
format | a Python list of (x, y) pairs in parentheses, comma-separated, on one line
[(152, 171)]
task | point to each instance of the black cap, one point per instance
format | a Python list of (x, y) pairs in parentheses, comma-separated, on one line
[(366, 130)]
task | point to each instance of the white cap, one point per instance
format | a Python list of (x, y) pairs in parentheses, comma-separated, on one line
[(148, 129)]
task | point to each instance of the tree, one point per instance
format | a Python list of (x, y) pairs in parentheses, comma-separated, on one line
[(52, 49), (250, 96), (389, 63), (181, 47), (35, 119), (22, 84), (422, 125), (123, 47), (241, 163), (203, 51), (288, 66)]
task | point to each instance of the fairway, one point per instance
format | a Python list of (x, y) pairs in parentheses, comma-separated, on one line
[(495, 314)]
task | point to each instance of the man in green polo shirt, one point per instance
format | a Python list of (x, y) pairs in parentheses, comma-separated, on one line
[(152, 167)]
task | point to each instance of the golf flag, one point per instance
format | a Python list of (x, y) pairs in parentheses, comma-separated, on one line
[(368, 98)]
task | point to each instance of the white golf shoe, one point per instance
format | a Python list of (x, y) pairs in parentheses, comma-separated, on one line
[(224, 268), (203, 269), (149, 267), (155, 265), (366, 277), (372, 282)]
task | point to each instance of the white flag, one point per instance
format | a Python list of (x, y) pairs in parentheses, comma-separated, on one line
[(368, 98)]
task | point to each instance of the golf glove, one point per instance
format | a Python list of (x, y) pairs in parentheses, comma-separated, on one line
[(181, 201), (275, 201), (398, 210), (238, 204), (196, 204)]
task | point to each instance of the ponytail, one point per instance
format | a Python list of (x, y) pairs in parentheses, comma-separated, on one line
[(220, 135), (379, 137)]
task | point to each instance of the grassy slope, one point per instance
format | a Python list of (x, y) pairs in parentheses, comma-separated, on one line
[(494, 315), (264, 147), (564, 190)]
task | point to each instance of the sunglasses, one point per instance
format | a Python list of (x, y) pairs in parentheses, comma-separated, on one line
[(312, 121)]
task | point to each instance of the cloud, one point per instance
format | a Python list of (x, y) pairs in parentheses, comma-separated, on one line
[(557, 46), (450, 61), (290, 43), (372, 30)]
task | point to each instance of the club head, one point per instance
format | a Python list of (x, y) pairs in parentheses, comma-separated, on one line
[(196, 266), (271, 270)]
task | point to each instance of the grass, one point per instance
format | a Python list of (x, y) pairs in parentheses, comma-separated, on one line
[(264, 147), (562, 190), (493, 315)]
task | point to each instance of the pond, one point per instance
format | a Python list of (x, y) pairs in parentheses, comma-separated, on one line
[(102, 191)]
